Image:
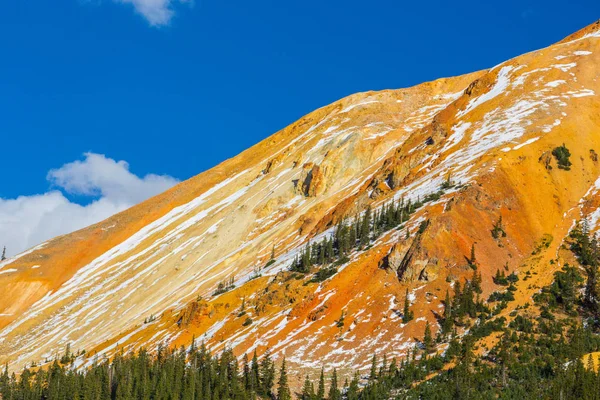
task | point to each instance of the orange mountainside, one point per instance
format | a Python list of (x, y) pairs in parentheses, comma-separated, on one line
[(148, 276)]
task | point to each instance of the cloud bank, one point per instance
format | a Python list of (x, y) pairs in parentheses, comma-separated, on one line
[(29, 220), (156, 12)]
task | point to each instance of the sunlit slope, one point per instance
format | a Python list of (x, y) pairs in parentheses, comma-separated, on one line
[(147, 276)]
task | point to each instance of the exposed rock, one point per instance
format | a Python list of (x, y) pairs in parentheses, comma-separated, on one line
[(430, 272), (546, 160), (311, 181)]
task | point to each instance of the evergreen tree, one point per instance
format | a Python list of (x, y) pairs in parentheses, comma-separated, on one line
[(321, 389), (365, 228), (267, 374), (255, 383), (373, 373), (428, 344), (308, 391), (407, 314), (472, 260), (283, 391), (476, 282), (334, 391), (246, 372), (353, 389), (448, 322)]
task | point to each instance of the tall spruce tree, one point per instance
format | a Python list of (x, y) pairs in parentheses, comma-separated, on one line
[(283, 391), (321, 388), (308, 390), (334, 391), (407, 314), (267, 374), (428, 344)]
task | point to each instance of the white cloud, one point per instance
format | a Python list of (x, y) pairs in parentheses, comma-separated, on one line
[(30, 220), (156, 12)]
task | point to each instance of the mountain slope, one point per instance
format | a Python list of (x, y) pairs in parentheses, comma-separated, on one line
[(148, 275)]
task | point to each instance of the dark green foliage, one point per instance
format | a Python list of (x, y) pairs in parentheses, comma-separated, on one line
[(501, 296), (267, 375), (321, 389), (283, 391), (448, 322), (340, 322), (486, 328), (225, 286), (428, 344), (562, 293), (353, 390), (500, 278), (407, 314), (447, 184), (522, 324), (348, 236), (324, 273), (586, 248), (308, 390), (562, 155), (334, 391), (170, 374), (498, 229)]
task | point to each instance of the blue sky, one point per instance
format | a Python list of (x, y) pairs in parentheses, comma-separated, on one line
[(174, 87)]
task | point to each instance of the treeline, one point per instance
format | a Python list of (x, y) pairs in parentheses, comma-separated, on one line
[(179, 374)]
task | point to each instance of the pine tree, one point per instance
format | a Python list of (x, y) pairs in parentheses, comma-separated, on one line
[(365, 228), (472, 259), (373, 373), (3, 254), (448, 323), (334, 391), (407, 314), (353, 389), (383, 368), (283, 391), (246, 372), (476, 282), (255, 383), (267, 374), (321, 389), (308, 391), (322, 254), (428, 344)]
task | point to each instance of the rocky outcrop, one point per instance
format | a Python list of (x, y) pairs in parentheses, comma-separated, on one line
[(311, 181)]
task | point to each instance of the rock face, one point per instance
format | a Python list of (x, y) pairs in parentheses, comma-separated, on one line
[(311, 181), (466, 150)]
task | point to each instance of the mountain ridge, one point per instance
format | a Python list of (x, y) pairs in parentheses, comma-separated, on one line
[(488, 134)]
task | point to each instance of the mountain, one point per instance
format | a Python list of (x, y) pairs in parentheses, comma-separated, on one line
[(454, 179)]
